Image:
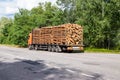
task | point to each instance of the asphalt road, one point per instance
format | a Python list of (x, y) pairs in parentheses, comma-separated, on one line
[(23, 64)]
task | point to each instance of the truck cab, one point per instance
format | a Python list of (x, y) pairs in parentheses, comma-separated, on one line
[(30, 40)]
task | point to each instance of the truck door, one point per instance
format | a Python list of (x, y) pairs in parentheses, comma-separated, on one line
[(30, 39)]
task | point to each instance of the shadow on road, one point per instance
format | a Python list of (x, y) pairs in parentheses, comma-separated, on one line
[(38, 70)]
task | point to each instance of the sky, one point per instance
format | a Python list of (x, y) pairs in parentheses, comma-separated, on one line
[(9, 7)]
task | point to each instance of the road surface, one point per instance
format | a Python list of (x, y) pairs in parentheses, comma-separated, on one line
[(24, 64)]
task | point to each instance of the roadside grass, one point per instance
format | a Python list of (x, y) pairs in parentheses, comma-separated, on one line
[(10, 45), (100, 50)]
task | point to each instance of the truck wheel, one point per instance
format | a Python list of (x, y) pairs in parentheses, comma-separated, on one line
[(53, 48), (49, 48), (31, 47), (64, 49), (58, 49), (36, 47)]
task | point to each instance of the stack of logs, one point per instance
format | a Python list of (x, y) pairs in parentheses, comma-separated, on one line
[(66, 34), (36, 36)]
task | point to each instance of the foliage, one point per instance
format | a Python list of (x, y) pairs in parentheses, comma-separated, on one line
[(16, 32), (101, 50), (99, 18), (3, 22)]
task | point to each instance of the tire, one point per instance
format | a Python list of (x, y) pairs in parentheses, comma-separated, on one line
[(49, 48), (36, 47), (53, 48), (58, 49), (31, 47), (64, 49)]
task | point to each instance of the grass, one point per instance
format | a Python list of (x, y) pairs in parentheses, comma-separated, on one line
[(10, 45), (99, 50)]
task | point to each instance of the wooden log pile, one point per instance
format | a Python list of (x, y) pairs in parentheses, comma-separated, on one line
[(35, 34), (59, 35), (66, 34), (45, 35)]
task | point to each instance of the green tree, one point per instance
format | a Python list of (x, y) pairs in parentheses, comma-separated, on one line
[(3, 22), (5, 25), (69, 10), (25, 20), (98, 17)]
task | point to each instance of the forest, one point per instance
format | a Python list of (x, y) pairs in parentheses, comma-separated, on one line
[(100, 20)]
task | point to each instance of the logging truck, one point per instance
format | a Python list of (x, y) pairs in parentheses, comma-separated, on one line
[(62, 38)]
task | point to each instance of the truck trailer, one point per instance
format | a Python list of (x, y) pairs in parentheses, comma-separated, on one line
[(62, 38)]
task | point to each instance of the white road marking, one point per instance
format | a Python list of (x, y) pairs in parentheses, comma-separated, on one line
[(87, 75), (70, 70), (52, 66), (57, 67), (50, 76)]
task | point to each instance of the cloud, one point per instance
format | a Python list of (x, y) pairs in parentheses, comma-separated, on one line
[(11, 10), (9, 7), (29, 4), (6, 8)]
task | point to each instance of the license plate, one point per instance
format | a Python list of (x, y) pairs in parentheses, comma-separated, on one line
[(76, 48)]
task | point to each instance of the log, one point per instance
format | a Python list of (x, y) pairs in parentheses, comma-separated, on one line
[(66, 34)]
